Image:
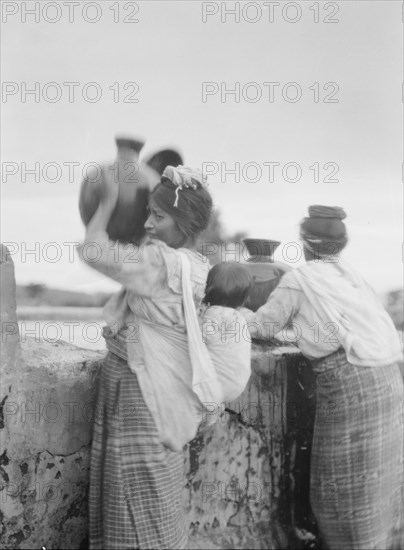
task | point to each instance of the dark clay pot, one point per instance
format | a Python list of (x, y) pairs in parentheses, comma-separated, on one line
[(136, 180), (265, 271), (161, 159)]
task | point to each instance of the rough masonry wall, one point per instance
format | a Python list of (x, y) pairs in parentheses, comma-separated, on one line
[(248, 484), (239, 474)]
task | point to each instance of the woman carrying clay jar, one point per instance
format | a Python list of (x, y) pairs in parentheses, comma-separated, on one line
[(147, 402), (357, 470)]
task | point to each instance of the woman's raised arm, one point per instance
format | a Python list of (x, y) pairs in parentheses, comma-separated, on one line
[(135, 267)]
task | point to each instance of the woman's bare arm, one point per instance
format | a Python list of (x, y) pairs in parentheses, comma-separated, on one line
[(136, 268)]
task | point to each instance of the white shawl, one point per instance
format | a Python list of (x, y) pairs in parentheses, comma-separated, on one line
[(338, 294)]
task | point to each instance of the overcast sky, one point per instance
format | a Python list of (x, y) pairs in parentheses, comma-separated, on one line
[(348, 71)]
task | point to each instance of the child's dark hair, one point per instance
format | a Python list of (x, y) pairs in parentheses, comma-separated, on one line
[(228, 284)]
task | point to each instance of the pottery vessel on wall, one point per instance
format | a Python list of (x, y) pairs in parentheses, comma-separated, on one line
[(265, 271)]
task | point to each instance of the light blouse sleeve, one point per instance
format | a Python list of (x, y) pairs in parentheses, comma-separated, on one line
[(142, 269), (280, 309)]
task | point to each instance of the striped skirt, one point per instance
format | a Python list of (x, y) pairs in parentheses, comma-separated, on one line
[(357, 470), (135, 482)]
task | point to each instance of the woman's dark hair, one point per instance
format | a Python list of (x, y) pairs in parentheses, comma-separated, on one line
[(194, 208), (228, 284)]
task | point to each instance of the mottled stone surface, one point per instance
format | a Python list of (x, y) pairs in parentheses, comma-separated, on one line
[(243, 475), (45, 463), (46, 405), (10, 358), (241, 478)]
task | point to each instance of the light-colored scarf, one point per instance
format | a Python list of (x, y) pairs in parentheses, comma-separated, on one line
[(205, 382), (341, 296)]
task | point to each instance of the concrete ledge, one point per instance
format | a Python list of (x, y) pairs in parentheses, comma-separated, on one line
[(44, 465), (237, 492), (245, 486)]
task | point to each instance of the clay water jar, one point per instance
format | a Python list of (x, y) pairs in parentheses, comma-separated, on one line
[(265, 271), (163, 158), (135, 179)]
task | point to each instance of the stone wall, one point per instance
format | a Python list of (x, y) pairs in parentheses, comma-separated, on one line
[(46, 458), (242, 475), (248, 478), (246, 482)]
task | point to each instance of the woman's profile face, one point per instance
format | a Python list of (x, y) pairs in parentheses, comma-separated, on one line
[(160, 225)]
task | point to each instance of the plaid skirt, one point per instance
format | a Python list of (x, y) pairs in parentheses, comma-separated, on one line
[(135, 482), (357, 455)]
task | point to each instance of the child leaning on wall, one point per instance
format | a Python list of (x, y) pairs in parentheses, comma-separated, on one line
[(224, 329)]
